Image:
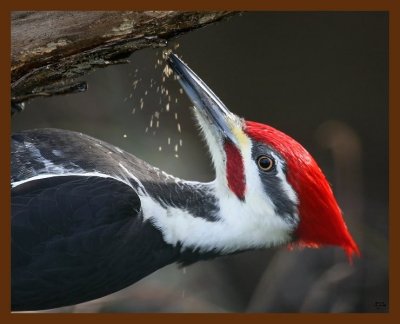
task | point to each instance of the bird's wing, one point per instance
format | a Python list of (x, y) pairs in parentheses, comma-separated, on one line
[(77, 238)]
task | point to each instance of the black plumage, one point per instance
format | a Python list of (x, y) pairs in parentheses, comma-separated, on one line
[(56, 151), (77, 237)]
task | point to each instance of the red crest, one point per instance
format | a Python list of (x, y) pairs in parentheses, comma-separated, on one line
[(321, 221)]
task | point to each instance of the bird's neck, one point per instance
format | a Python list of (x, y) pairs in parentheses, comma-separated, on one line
[(200, 217)]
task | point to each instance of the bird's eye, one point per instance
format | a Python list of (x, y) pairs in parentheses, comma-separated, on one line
[(265, 163)]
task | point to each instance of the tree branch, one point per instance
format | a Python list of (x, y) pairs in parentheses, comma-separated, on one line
[(51, 49)]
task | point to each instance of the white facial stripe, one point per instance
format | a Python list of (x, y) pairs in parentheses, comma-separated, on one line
[(237, 230), (285, 186), (255, 195), (252, 223), (242, 224)]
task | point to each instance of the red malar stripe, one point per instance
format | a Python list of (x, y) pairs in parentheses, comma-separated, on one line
[(235, 170)]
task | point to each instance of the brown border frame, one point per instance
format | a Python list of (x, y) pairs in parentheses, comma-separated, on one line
[(284, 5)]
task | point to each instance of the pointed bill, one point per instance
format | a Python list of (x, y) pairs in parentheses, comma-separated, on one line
[(204, 99)]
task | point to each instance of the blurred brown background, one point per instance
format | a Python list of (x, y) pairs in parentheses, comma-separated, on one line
[(322, 78)]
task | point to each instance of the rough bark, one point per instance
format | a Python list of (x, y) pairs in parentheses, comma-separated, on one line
[(51, 49)]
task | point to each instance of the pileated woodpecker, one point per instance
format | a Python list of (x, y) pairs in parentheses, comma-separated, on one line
[(89, 219)]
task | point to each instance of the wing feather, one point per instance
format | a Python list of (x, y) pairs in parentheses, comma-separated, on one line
[(77, 238)]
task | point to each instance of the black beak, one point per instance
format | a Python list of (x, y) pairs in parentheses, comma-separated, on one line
[(204, 99)]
